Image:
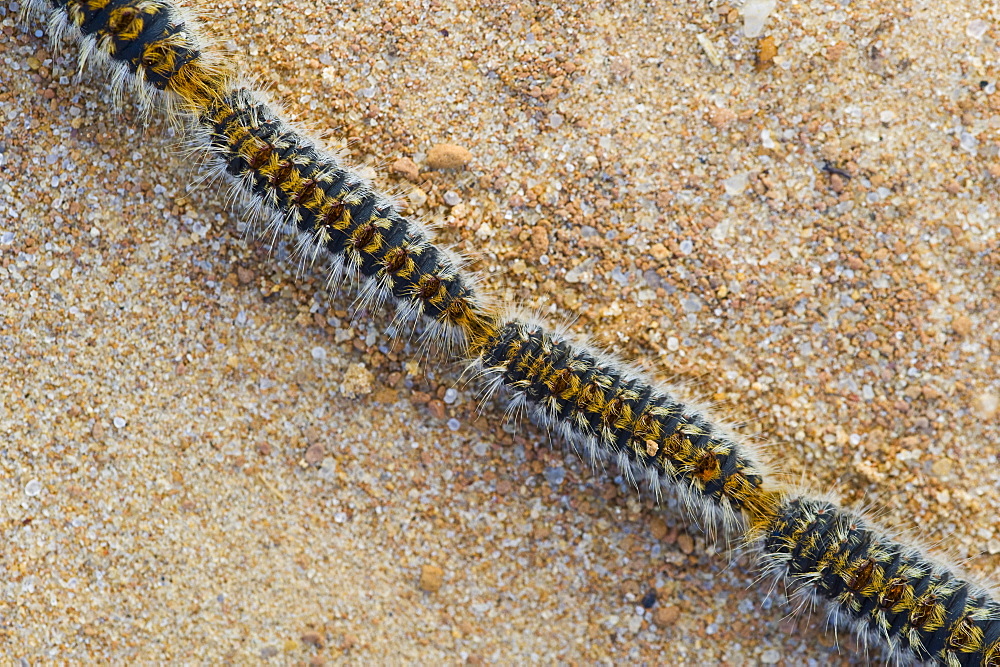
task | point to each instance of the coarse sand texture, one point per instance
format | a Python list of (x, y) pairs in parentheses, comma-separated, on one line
[(258, 404)]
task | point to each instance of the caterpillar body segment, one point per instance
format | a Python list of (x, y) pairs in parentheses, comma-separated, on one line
[(150, 47), (886, 592), (611, 411), (288, 180)]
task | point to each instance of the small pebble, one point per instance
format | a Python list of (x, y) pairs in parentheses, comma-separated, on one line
[(666, 616), (450, 395), (977, 29), (755, 14), (555, 476), (358, 381), (313, 639), (406, 168), (987, 404), (33, 488), (770, 656), (634, 624), (766, 140), (942, 467), (766, 51), (454, 424), (736, 184), (711, 52), (448, 156), (315, 454), (452, 198), (721, 118), (119, 422), (837, 183), (685, 543), (417, 197), (691, 305), (431, 578), (436, 408)]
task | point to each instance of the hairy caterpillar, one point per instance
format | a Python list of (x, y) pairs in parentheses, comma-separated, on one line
[(148, 46), (596, 402), (335, 212), (337, 215), (155, 46), (889, 593)]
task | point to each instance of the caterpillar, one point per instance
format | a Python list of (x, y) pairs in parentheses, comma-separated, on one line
[(335, 212), (150, 47), (889, 593), (503, 373), (286, 179), (157, 46), (595, 401)]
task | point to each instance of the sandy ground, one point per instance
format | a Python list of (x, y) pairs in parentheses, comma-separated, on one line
[(206, 456)]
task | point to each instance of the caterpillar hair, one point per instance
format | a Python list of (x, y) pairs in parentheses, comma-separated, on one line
[(614, 412), (149, 46), (886, 592), (285, 178)]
